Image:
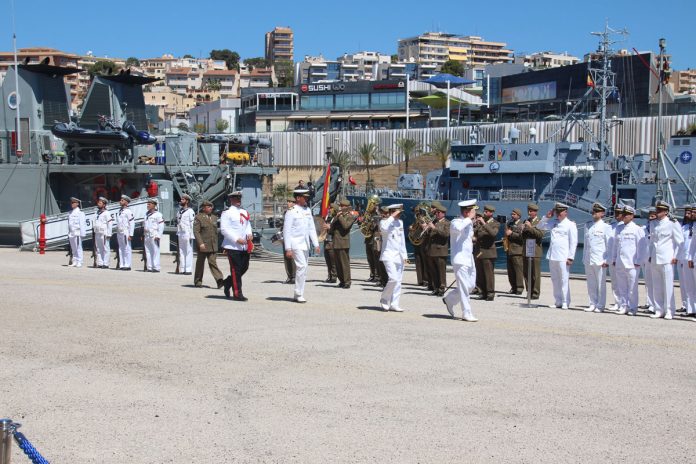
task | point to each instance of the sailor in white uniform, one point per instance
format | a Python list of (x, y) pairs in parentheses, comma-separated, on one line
[(618, 220), (645, 265), (103, 229), (595, 258), (184, 232), (299, 233), (77, 229), (462, 258), (687, 284), (153, 228), (393, 256), (665, 239), (691, 257), (235, 226), (627, 254), (564, 241), (125, 227)]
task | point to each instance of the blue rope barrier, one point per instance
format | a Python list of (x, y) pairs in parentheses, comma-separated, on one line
[(29, 449)]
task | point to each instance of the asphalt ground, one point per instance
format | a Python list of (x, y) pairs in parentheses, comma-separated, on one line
[(106, 366)]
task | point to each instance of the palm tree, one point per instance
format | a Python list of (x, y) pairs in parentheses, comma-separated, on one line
[(441, 149), (408, 147), (367, 153)]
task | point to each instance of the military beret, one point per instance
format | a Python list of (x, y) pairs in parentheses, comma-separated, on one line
[(207, 203), (344, 203), (517, 211), (490, 208), (532, 207)]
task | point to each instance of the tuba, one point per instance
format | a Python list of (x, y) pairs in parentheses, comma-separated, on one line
[(366, 226)]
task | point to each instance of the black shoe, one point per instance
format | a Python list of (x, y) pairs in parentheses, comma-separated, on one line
[(534, 298), (346, 285), (199, 285), (371, 279), (155, 270), (227, 283), (292, 281), (240, 298), (490, 298), (220, 283), (512, 292), (187, 273), (519, 292), (475, 291), (434, 292), (330, 281), (340, 285), (125, 269)]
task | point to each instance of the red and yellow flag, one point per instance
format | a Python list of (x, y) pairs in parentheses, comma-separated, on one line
[(326, 196), (590, 81)]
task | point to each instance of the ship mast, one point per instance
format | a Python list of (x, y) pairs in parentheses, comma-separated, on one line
[(18, 130)]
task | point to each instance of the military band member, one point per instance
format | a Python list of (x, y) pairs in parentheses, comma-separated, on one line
[(125, 227), (153, 228), (299, 233), (77, 229), (462, 258), (564, 242), (393, 256), (595, 258), (235, 226), (329, 254), (532, 232), (103, 229), (205, 231), (687, 284), (184, 232), (340, 233), (380, 270), (438, 250), (289, 262), (691, 268), (515, 252), (627, 251), (419, 253), (485, 232), (372, 257), (665, 239)]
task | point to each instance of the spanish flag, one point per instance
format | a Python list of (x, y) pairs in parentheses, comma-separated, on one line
[(325, 199), (590, 81)]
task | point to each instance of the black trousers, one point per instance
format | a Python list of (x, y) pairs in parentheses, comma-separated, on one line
[(239, 264)]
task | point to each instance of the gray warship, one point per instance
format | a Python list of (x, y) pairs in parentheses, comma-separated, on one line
[(107, 151)]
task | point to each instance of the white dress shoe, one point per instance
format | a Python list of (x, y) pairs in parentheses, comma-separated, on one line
[(668, 316), (396, 309), (469, 319), (564, 306), (590, 309), (449, 308), (599, 310), (613, 307), (622, 310), (299, 299), (554, 306), (385, 306), (655, 316)]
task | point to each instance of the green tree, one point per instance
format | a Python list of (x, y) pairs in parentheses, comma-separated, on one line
[(280, 192), (221, 125), (102, 67), (441, 149), (132, 61), (213, 85), (258, 62), (395, 58), (199, 128), (409, 148), (188, 56), (456, 68), (285, 72), (230, 58), (183, 127), (367, 154)]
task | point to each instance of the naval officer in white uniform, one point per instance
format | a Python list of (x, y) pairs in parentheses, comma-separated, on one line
[(687, 283), (103, 229), (235, 226), (462, 258), (184, 233), (595, 257), (125, 227), (393, 256), (627, 256), (564, 242), (299, 233), (77, 229), (665, 239), (153, 228)]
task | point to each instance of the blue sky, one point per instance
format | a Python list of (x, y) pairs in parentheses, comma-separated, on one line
[(149, 28)]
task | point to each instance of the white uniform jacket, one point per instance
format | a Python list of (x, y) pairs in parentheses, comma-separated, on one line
[(564, 238), (184, 223), (687, 232), (125, 222), (629, 246), (665, 239), (77, 223), (597, 243), (234, 224), (299, 229), (461, 241), (153, 226), (393, 240), (103, 224)]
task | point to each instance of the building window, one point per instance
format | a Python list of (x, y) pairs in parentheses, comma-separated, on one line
[(316, 102), (388, 100), (357, 101)]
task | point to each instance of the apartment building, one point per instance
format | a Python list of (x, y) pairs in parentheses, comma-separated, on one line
[(170, 105), (684, 81), (359, 67), (436, 48), (280, 45), (226, 82), (258, 78), (364, 63), (546, 60)]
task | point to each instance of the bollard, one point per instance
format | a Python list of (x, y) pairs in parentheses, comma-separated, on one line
[(7, 429), (42, 234)]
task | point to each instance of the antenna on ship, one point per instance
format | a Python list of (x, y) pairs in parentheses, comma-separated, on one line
[(18, 131)]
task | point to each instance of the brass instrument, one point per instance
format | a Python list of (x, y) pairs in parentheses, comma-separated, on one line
[(416, 231), (366, 226), (506, 239)]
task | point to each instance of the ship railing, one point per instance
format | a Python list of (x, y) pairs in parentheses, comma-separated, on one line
[(517, 194), (570, 199)]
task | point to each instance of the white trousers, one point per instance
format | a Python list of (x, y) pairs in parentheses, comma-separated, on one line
[(596, 285), (300, 257), (627, 287), (647, 278), (559, 280), (687, 280), (392, 291), (76, 249), (152, 254), (614, 293), (103, 249), (466, 281), (125, 251), (185, 254), (663, 288)]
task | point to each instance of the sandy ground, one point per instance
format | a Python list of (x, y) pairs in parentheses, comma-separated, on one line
[(112, 367)]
